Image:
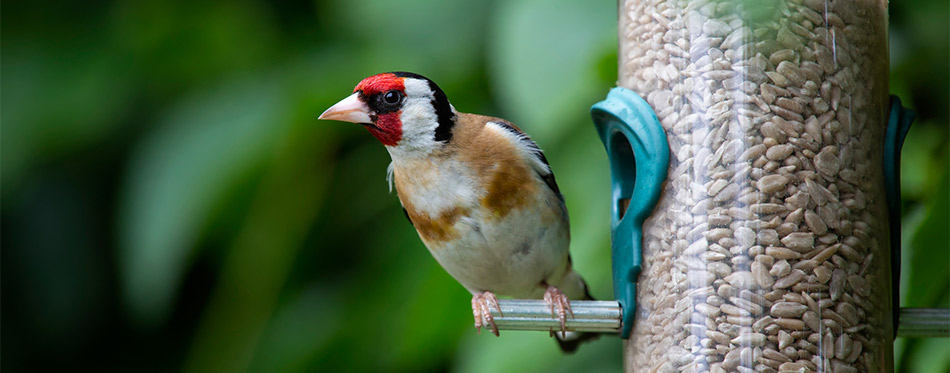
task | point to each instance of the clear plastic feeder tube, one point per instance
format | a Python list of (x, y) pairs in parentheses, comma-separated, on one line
[(768, 250)]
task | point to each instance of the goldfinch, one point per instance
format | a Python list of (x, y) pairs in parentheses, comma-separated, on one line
[(479, 192)]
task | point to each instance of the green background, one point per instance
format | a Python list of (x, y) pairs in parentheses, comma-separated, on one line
[(169, 201)]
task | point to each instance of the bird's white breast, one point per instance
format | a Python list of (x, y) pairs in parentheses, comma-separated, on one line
[(510, 254)]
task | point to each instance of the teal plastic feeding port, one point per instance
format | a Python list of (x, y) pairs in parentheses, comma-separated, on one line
[(639, 156), (899, 120)]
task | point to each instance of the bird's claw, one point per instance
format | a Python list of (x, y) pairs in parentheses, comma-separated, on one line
[(554, 297), (481, 309)]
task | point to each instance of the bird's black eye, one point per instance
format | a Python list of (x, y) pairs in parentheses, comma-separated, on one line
[(392, 97)]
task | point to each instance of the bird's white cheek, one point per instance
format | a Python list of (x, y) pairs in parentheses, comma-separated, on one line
[(419, 122), (416, 115)]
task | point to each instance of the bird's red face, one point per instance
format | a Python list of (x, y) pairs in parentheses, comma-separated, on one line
[(377, 104)]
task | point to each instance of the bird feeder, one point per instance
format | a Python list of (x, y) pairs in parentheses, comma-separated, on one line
[(754, 155), (773, 245)]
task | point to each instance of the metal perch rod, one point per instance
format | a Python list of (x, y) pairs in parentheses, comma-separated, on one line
[(604, 317), (924, 323), (530, 314)]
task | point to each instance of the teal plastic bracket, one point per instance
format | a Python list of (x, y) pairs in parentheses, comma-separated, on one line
[(639, 156), (899, 120)]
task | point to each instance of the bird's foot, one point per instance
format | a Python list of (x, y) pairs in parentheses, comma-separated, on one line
[(555, 298), (481, 309)]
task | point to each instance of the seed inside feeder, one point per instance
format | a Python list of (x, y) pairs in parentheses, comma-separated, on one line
[(768, 250)]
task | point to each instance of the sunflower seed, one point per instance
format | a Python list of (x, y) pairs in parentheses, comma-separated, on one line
[(764, 253)]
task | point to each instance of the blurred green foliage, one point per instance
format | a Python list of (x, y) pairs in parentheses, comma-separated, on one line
[(169, 201)]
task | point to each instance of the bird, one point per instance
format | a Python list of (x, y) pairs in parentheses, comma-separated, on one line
[(479, 192)]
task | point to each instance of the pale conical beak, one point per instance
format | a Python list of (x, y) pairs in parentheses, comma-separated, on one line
[(349, 109)]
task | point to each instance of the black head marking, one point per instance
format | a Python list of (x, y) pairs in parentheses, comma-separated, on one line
[(443, 110), (384, 102)]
